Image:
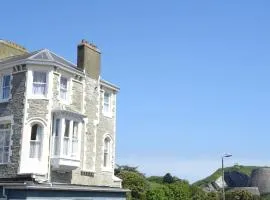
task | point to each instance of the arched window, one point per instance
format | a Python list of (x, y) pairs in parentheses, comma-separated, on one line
[(36, 141), (107, 152)]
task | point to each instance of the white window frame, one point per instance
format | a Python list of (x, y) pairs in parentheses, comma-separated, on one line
[(109, 152), (107, 112), (38, 142), (67, 90), (2, 99), (40, 83), (3, 121), (30, 79)]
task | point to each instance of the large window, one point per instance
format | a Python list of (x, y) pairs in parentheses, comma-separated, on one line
[(39, 83), (36, 141), (107, 152), (67, 131), (63, 88), (4, 142), (5, 87), (107, 103)]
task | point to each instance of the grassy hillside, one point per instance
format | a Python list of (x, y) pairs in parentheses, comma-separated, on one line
[(239, 168)]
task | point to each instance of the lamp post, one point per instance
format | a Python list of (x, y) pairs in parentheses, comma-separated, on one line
[(226, 155)]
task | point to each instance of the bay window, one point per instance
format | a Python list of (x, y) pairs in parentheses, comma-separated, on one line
[(5, 135), (66, 138), (39, 83)]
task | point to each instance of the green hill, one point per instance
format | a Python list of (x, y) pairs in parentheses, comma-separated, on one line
[(239, 168)]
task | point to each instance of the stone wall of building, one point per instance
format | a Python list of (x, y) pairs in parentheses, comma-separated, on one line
[(14, 107), (37, 108), (76, 96)]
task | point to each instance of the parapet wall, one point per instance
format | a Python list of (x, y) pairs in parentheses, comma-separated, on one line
[(8, 49)]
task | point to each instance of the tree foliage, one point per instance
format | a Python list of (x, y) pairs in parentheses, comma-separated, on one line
[(167, 178), (136, 182), (240, 195), (169, 188)]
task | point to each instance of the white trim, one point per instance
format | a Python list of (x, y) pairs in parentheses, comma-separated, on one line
[(62, 66), (109, 113), (109, 167), (66, 101)]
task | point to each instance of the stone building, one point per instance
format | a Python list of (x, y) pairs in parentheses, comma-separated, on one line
[(57, 125)]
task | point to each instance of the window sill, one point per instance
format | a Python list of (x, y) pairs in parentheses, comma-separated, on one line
[(5, 163), (38, 97), (106, 169), (65, 102), (109, 115), (4, 100)]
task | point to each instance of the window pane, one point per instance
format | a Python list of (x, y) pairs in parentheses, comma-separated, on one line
[(34, 132), (7, 138), (63, 88), (6, 92), (67, 123), (6, 81), (75, 130), (39, 77), (106, 97), (63, 83), (1, 154), (4, 142), (57, 126), (2, 138), (5, 157), (34, 149), (66, 146), (105, 159), (39, 88), (39, 83)]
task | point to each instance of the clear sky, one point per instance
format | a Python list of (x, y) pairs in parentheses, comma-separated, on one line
[(194, 75)]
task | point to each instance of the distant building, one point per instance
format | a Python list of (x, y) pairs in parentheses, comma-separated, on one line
[(57, 126)]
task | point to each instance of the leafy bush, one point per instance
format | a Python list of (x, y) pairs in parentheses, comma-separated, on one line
[(136, 182), (240, 195)]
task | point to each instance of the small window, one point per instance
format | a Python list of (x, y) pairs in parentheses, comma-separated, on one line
[(63, 88), (35, 141), (4, 142), (107, 152), (6, 87), (107, 103), (39, 83)]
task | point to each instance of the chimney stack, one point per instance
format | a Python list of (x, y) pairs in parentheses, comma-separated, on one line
[(88, 59)]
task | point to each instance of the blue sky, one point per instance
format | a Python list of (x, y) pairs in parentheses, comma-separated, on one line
[(194, 75)]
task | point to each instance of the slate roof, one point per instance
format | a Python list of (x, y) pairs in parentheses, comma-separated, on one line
[(40, 55)]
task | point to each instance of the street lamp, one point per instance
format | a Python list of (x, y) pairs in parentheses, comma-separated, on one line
[(226, 155)]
